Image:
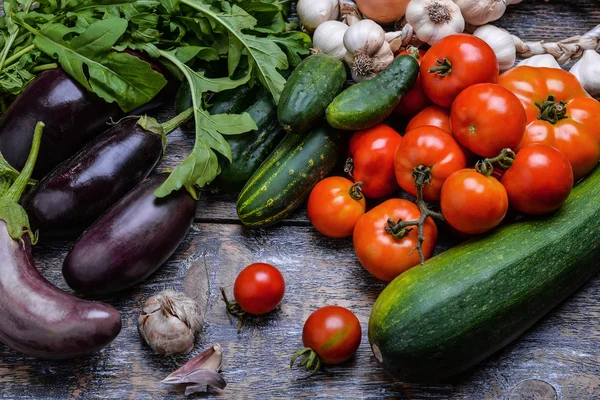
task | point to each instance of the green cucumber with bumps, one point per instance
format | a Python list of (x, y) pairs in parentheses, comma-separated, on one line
[(284, 180), (368, 103), (308, 91), (438, 319)]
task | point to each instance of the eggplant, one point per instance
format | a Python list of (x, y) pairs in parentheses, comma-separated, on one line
[(131, 240), (83, 187), (38, 319), (73, 116)]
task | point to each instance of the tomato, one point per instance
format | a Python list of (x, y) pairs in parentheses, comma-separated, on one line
[(559, 114), (333, 332), (335, 205), (455, 63), (259, 288), (372, 160), (472, 202), (415, 99), (431, 116), (432, 148), (387, 254), (539, 180), (487, 118)]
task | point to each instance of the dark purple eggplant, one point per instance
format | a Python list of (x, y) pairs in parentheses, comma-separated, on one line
[(38, 319), (73, 117), (130, 241), (83, 187)]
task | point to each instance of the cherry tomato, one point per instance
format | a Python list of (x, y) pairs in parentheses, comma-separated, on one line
[(539, 180), (455, 63), (428, 148), (384, 251), (415, 99), (372, 160), (472, 202), (333, 332), (431, 116), (335, 205), (259, 288), (487, 118)]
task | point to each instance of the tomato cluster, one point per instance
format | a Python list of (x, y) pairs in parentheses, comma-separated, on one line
[(477, 145)]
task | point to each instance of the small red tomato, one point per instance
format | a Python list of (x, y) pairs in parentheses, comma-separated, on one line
[(539, 180), (455, 63), (427, 148), (372, 160), (431, 116), (334, 206), (333, 332), (259, 288), (472, 202), (415, 99), (385, 251), (487, 118)]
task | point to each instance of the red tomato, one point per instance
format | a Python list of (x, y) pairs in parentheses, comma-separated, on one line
[(487, 118), (431, 116), (259, 288), (472, 202), (415, 99), (387, 254), (559, 114), (335, 205), (539, 180), (333, 332), (430, 147), (455, 63), (372, 153)]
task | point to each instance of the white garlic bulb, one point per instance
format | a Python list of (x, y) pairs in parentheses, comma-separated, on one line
[(501, 42), (367, 51), (587, 71), (329, 39), (433, 20), (313, 13), (379, 62), (479, 12), (540, 60)]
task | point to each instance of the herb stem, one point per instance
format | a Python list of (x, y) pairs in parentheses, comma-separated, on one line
[(15, 57), (44, 67)]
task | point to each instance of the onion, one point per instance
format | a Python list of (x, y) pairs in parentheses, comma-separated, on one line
[(383, 11)]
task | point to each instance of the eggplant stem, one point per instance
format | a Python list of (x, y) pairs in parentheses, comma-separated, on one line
[(175, 122), (234, 309)]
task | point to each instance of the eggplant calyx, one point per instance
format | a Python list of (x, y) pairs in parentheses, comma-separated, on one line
[(15, 217), (152, 125)]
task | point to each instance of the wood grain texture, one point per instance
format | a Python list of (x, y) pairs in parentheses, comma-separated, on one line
[(562, 350)]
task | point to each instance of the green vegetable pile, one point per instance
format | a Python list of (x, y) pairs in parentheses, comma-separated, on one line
[(213, 45)]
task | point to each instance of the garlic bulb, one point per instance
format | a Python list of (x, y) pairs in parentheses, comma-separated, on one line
[(349, 12), (367, 51), (329, 39), (501, 42), (541, 60), (170, 322), (313, 13), (587, 71), (479, 12), (433, 20)]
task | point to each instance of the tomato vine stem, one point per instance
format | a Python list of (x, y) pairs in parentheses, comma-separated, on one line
[(311, 361), (234, 309), (504, 160)]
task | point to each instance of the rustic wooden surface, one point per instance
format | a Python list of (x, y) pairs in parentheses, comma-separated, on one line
[(559, 358)]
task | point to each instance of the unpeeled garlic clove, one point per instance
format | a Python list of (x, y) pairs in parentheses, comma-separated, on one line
[(200, 372)]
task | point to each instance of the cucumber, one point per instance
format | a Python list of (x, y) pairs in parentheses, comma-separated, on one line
[(250, 149), (370, 102), (439, 319), (309, 90), (286, 177)]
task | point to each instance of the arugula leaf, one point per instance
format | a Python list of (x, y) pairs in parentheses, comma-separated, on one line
[(201, 166), (118, 77), (294, 43)]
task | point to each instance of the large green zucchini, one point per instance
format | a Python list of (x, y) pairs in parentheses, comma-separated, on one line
[(439, 319), (286, 177)]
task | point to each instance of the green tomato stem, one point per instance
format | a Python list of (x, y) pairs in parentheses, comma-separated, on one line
[(234, 309), (356, 192), (503, 160), (442, 68), (551, 110)]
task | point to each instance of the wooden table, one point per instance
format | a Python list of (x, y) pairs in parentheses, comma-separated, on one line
[(559, 357)]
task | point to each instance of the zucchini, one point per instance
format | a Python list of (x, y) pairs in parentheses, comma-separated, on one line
[(309, 90), (286, 177), (250, 149), (439, 319), (370, 102)]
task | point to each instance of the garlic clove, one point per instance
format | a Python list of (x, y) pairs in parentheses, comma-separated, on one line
[(480, 12), (200, 372), (587, 71), (365, 36), (329, 39), (433, 20), (501, 42), (540, 60), (313, 13)]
